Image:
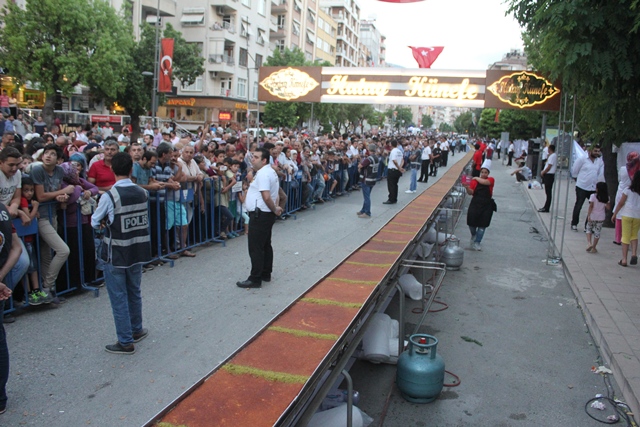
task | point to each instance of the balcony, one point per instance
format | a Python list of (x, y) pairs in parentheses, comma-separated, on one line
[(225, 29), (279, 6), (221, 63), (167, 7), (278, 34), (224, 7)]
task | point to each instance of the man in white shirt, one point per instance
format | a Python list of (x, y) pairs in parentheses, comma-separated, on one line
[(262, 210), (426, 160), (548, 176), (394, 172), (588, 172)]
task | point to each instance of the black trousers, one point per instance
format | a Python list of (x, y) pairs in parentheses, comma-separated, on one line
[(445, 158), (434, 167), (260, 250), (393, 176), (424, 171), (547, 180), (510, 159), (581, 196)]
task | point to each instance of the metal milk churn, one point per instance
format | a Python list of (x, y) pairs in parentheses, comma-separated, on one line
[(420, 374), (452, 254)]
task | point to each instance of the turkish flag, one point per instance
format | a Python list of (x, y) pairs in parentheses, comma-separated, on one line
[(165, 79), (497, 117), (426, 55)]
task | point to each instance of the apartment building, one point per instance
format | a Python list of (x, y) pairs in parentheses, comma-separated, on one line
[(301, 24), (233, 36), (515, 59), (145, 11), (347, 14), (374, 41)]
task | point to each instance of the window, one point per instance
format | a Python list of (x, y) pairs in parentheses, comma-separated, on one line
[(311, 38), (295, 28), (280, 45), (311, 16), (262, 7), (321, 23), (260, 38), (242, 88), (258, 60), (195, 87), (297, 6), (225, 86), (247, 3), (243, 59), (254, 94), (244, 29), (281, 21)]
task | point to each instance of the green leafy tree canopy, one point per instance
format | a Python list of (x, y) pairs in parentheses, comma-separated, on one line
[(59, 44)]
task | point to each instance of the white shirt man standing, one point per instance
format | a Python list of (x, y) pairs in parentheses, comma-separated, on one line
[(588, 172), (261, 202)]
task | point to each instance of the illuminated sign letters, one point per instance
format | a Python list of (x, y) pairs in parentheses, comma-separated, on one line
[(474, 89)]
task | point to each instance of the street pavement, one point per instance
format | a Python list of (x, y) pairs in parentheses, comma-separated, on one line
[(532, 369), (196, 316), (608, 293), (514, 331)]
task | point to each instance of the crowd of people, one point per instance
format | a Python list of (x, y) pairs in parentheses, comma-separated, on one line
[(198, 185)]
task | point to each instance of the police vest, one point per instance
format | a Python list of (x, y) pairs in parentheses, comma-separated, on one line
[(370, 174), (126, 241)]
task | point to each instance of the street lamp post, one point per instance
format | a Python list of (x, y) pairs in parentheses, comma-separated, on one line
[(153, 97)]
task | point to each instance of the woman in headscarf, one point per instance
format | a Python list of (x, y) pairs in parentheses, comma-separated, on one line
[(482, 205), (625, 175), (78, 234)]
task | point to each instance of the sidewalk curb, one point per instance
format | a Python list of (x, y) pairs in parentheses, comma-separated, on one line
[(604, 328)]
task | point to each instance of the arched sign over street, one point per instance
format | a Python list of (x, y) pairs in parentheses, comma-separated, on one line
[(449, 88)]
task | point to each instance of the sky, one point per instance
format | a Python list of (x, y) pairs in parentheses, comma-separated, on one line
[(474, 33)]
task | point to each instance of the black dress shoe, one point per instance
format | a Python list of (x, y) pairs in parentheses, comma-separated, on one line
[(543, 210), (248, 284), (389, 202)]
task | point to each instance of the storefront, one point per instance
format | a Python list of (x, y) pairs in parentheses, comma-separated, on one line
[(21, 96), (199, 110)]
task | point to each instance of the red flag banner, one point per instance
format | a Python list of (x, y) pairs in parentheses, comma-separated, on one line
[(165, 81), (497, 117), (425, 56)]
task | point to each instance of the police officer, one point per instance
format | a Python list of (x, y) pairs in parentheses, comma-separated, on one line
[(261, 201), (123, 212)]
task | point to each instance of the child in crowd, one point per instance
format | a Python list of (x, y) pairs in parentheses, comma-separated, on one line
[(232, 178), (26, 161), (242, 198), (30, 206), (598, 203)]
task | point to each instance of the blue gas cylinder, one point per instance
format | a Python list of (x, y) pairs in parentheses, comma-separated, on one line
[(420, 374)]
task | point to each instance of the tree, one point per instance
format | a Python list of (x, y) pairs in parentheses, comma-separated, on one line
[(60, 44), (445, 127), (403, 116), (135, 96), (463, 122), (593, 48), (427, 121), (487, 126)]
